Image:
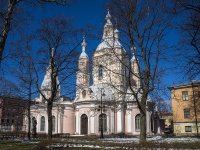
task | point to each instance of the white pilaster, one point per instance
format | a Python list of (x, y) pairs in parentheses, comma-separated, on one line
[(112, 121), (108, 129), (92, 122), (58, 122), (119, 121), (129, 122), (77, 122), (38, 123)]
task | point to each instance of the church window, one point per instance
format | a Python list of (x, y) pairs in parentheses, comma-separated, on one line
[(103, 122), (42, 125), (32, 121), (53, 123), (100, 72), (84, 93), (137, 122)]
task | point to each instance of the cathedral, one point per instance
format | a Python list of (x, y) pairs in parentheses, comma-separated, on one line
[(106, 105)]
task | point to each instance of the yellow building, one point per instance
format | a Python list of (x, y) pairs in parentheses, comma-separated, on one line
[(186, 108)]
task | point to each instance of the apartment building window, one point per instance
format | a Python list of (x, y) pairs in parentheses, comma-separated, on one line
[(187, 113), (188, 129), (185, 95)]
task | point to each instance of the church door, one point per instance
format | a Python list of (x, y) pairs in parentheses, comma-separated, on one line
[(84, 124)]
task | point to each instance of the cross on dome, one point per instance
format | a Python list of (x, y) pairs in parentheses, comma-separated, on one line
[(108, 17), (83, 44)]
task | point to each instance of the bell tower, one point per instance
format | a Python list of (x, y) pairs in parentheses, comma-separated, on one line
[(82, 75)]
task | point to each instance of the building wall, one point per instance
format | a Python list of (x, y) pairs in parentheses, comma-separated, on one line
[(182, 122), (69, 120), (179, 129), (12, 112)]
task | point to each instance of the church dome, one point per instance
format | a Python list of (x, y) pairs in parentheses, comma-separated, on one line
[(110, 36), (108, 44)]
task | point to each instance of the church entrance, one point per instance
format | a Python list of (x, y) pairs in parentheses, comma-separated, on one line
[(84, 124)]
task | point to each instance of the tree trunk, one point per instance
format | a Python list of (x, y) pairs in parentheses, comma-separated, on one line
[(143, 122), (49, 113), (6, 27)]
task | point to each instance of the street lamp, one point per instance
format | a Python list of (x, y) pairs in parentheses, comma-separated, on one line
[(102, 94)]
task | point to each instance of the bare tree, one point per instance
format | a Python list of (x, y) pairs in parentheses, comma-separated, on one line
[(188, 48), (58, 42), (24, 72), (9, 11), (143, 25), (8, 88)]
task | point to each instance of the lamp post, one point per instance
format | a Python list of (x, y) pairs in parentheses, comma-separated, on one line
[(102, 94)]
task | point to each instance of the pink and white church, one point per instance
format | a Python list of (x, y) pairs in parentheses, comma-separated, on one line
[(102, 104)]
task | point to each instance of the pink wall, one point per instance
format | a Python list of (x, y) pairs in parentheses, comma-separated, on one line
[(68, 120)]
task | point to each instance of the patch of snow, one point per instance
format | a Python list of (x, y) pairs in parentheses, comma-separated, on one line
[(156, 138)]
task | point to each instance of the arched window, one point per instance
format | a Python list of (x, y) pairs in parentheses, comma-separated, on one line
[(103, 122), (53, 123), (84, 124), (32, 122), (100, 72), (137, 122), (42, 124)]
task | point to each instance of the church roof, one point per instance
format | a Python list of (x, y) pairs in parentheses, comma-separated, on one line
[(83, 55), (109, 43)]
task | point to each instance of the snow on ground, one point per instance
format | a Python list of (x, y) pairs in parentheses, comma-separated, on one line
[(156, 138), (92, 144)]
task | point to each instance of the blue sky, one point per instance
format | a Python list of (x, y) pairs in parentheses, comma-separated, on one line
[(92, 12)]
